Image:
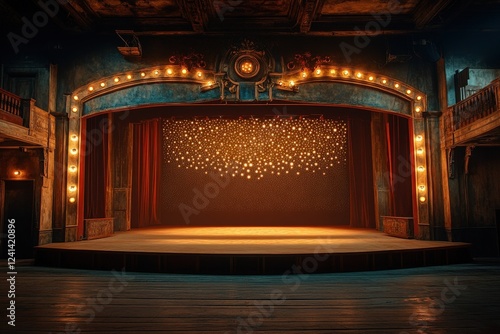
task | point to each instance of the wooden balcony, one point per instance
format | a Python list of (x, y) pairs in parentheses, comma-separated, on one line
[(10, 107), (24, 124), (475, 120)]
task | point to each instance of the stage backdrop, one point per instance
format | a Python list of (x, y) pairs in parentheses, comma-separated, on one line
[(254, 171)]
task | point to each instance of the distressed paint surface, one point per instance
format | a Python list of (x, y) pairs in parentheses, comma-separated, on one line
[(140, 8), (354, 7), (150, 94), (340, 93)]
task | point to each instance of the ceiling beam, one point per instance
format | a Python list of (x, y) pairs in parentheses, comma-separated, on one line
[(427, 10), (81, 13), (310, 10), (191, 10)]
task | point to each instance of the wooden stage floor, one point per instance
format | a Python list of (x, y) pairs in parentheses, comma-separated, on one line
[(250, 250)]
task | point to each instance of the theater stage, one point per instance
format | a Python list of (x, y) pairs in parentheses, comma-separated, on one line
[(250, 250)]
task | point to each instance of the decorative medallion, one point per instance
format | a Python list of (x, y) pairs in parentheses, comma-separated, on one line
[(247, 66)]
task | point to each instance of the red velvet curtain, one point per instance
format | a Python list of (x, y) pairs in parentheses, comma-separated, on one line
[(400, 167), (361, 191), (146, 173), (96, 166)]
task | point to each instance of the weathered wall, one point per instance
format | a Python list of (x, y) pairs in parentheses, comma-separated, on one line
[(477, 199), (475, 50)]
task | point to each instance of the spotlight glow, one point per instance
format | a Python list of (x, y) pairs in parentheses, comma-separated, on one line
[(253, 148)]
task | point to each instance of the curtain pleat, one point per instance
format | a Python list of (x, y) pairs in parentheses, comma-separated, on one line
[(96, 164), (146, 173), (361, 192)]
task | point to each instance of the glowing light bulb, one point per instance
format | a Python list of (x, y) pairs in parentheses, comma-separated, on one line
[(421, 168), (359, 75), (91, 88), (184, 71), (169, 71), (72, 188), (103, 84), (318, 71), (384, 81), (345, 73), (17, 172), (396, 85), (292, 83), (199, 74), (421, 187), (419, 138), (420, 151), (116, 79), (418, 109), (75, 109), (75, 97), (74, 137), (422, 199), (371, 78), (143, 74), (408, 91), (129, 77), (72, 168), (333, 71), (74, 151), (72, 200), (419, 98)]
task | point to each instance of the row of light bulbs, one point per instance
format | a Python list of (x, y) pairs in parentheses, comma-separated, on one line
[(419, 139), (357, 75), (178, 71), (72, 168), (172, 71)]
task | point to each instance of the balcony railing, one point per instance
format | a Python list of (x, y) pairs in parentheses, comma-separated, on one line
[(485, 102), (477, 106), (10, 107)]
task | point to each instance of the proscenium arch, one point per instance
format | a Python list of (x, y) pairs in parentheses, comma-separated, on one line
[(173, 84)]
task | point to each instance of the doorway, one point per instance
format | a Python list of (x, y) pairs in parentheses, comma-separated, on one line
[(498, 230), (17, 208)]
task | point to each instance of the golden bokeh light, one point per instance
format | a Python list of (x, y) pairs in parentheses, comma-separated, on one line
[(253, 148)]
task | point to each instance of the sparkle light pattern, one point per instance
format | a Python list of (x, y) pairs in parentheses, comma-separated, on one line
[(253, 148)]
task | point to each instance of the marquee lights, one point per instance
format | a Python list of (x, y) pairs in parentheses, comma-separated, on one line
[(292, 82), (280, 155), (256, 148)]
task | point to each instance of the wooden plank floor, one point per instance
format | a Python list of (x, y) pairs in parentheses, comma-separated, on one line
[(52, 300), (250, 240)]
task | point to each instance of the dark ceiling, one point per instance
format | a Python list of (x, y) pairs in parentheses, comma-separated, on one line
[(313, 17)]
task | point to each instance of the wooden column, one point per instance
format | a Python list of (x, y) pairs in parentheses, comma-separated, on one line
[(61, 170), (52, 88), (444, 153), (380, 168), (122, 171), (434, 175)]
